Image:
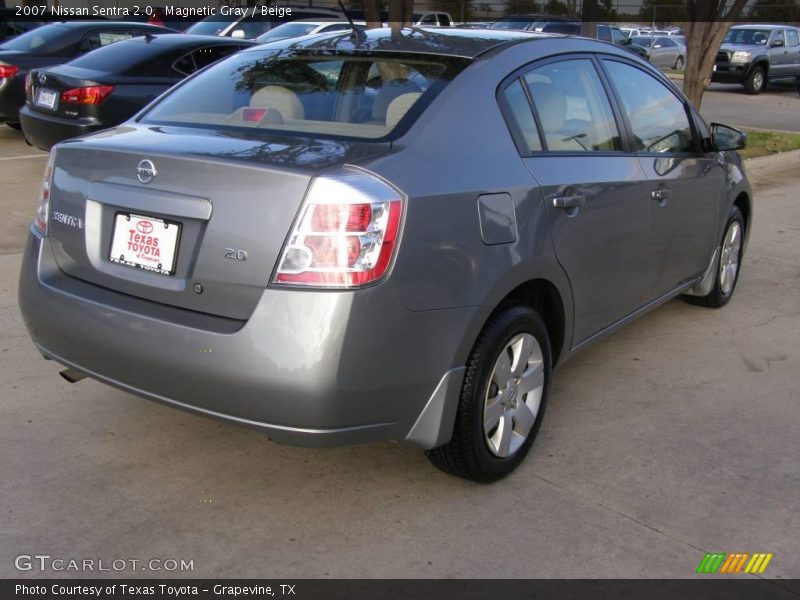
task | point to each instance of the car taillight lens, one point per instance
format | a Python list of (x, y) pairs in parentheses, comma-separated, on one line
[(8, 71), (43, 211), (346, 235), (94, 94)]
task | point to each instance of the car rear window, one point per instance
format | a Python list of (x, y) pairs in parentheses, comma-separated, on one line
[(35, 39), (364, 96), (118, 58)]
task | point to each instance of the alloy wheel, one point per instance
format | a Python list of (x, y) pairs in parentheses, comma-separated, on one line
[(729, 259), (514, 395)]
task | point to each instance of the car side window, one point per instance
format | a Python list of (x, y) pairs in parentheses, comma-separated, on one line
[(574, 111), (603, 33), (98, 39), (617, 36), (520, 115), (657, 116), (792, 38), (777, 35), (444, 20)]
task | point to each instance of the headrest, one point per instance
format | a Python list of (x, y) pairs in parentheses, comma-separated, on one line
[(284, 100), (399, 107)]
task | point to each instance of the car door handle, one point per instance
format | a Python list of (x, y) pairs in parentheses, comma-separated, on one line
[(660, 195), (569, 202)]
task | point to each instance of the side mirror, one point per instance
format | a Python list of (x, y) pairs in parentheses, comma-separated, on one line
[(727, 138), (238, 34), (776, 43)]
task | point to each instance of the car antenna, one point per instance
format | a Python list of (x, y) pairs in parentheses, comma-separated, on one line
[(358, 36)]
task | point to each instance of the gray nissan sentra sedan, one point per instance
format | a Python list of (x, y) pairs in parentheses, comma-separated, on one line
[(352, 238)]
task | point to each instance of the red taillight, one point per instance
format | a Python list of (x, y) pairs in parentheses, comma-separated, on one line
[(8, 71), (347, 233), (43, 210), (94, 94)]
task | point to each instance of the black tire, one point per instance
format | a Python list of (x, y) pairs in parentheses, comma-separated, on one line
[(467, 454), (16, 126), (679, 63), (756, 82), (717, 297)]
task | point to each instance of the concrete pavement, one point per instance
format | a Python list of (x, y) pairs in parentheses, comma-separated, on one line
[(674, 437), (776, 108)]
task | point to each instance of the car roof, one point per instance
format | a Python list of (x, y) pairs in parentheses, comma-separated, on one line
[(176, 40), (762, 26), (464, 43)]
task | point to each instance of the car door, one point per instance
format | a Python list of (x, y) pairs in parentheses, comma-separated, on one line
[(595, 193), (685, 182), (659, 53), (779, 65), (793, 51)]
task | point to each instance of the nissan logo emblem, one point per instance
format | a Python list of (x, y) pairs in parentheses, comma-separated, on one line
[(145, 171), (42, 78)]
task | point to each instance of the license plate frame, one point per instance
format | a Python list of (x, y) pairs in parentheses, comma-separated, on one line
[(131, 247), (47, 98)]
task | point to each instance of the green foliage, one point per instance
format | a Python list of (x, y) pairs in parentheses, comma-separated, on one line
[(663, 11), (521, 7), (775, 11), (556, 7)]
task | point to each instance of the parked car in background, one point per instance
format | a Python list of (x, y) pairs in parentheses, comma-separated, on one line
[(157, 15), (755, 54), (252, 25), (303, 27), (663, 51), (432, 19), (11, 25), (606, 33), (54, 44), (526, 22), (270, 245), (108, 86)]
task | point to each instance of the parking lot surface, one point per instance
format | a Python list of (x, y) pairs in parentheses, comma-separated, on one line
[(674, 437), (776, 108)]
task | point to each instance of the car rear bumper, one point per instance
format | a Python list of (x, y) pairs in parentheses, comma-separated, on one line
[(45, 131), (308, 368), (12, 97)]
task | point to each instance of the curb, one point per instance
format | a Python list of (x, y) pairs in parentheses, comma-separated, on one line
[(773, 161)]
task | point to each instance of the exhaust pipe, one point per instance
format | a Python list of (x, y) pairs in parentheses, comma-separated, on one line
[(72, 375)]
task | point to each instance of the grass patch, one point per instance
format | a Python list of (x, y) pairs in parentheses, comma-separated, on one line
[(762, 143)]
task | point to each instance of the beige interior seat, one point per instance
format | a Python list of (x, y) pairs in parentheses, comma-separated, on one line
[(279, 98), (399, 107)]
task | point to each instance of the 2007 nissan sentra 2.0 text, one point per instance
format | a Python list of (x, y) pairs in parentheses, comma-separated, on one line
[(383, 236)]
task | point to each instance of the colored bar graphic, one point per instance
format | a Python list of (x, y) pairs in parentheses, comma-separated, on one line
[(711, 562), (758, 563), (720, 562)]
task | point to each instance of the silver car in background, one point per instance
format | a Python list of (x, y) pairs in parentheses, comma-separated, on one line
[(382, 236)]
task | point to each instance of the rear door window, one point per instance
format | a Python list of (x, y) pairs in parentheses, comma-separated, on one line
[(657, 116), (519, 115), (792, 38), (361, 97), (574, 111)]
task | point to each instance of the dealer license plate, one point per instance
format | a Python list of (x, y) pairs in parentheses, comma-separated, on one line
[(46, 98), (143, 242)]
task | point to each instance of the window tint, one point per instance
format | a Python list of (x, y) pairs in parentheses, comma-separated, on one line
[(98, 39), (360, 97), (617, 36), (121, 58), (573, 109), (657, 117), (792, 39), (202, 57), (521, 116), (603, 33), (36, 39), (444, 21)]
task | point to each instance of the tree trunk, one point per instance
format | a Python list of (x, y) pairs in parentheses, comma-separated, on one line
[(706, 28), (401, 14), (372, 14)]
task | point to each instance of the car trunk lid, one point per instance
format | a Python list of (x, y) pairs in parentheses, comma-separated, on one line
[(229, 201)]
